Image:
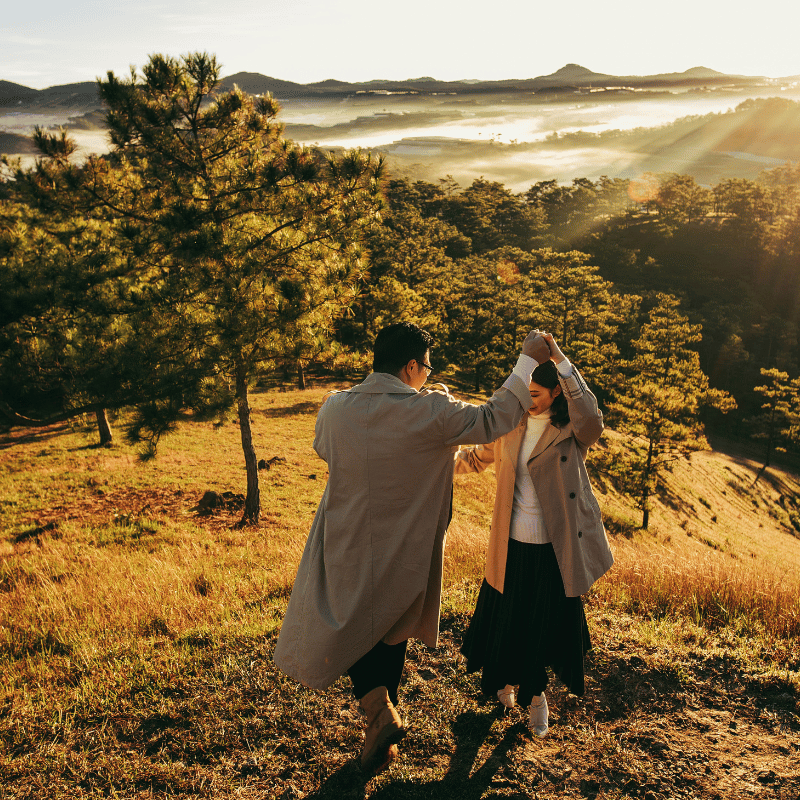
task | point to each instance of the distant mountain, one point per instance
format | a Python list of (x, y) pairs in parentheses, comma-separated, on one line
[(329, 84), (573, 72), (12, 94), (254, 83), (82, 98), (578, 76), (73, 96), (16, 143), (702, 72)]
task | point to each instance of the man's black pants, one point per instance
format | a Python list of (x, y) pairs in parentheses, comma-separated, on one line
[(381, 666)]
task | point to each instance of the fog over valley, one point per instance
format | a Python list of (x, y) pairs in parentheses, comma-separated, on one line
[(585, 125)]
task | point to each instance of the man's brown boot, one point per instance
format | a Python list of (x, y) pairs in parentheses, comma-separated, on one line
[(384, 730)]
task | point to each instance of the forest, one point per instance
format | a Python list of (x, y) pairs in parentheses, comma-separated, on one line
[(207, 253)]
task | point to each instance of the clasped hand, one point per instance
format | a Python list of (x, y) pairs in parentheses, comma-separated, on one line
[(542, 346)]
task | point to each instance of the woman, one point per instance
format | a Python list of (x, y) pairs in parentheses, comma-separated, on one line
[(546, 548)]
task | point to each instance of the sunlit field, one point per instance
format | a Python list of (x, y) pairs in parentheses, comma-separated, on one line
[(135, 634), (98, 545)]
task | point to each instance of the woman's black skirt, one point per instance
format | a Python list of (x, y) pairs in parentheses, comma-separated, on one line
[(532, 625)]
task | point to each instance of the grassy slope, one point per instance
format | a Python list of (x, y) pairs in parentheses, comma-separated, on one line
[(135, 637)]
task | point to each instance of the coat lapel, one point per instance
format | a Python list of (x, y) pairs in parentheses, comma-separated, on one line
[(513, 441), (548, 438)]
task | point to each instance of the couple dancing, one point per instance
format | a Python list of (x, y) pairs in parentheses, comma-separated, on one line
[(371, 573)]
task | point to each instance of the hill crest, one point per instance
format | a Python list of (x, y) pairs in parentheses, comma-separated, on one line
[(257, 83)]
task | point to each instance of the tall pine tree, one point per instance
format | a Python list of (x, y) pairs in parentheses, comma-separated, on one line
[(658, 398), (240, 245)]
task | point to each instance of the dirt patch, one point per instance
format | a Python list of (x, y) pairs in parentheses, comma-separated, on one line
[(101, 504)]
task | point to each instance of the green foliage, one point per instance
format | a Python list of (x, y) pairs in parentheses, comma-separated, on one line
[(746, 200), (492, 217), (779, 420), (658, 397), (581, 309), (680, 201), (226, 248), (411, 259), (62, 344), (571, 212)]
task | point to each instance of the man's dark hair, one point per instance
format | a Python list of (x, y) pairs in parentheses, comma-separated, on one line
[(397, 344)]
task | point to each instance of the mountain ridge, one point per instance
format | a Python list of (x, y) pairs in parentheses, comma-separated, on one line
[(567, 77)]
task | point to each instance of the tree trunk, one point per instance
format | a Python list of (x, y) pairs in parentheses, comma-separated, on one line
[(770, 437), (106, 437), (252, 503), (646, 488), (477, 377), (301, 375)]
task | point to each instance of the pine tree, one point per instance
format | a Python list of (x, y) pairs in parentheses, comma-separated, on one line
[(780, 411), (581, 309), (658, 398), (240, 246), (60, 352)]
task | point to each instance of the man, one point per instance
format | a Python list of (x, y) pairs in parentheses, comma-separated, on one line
[(371, 572)]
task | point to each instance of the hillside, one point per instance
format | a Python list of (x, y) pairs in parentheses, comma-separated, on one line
[(14, 94), (135, 636)]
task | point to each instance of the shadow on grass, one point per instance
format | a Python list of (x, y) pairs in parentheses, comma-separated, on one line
[(92, 446), (470, 730), (677, 502), (306, 407), (44, 434)]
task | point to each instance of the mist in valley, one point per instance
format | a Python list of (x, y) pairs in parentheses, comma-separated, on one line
[(520, 138)]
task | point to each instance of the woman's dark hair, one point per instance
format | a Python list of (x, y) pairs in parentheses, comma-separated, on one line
[(546, 375), (397, 344)]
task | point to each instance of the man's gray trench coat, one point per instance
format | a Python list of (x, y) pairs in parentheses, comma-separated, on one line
[(372, 566)]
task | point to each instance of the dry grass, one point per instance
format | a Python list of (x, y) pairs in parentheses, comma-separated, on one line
[(135, 636), (721, 550), (705, 589), (99, 547)]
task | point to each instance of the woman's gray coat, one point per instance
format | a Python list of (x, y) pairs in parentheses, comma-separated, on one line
[(570, 510), (372, 566)]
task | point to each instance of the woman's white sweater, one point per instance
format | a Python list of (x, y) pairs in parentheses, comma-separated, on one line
[(527, 524)]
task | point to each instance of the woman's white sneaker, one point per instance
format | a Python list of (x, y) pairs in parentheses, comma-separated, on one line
[(537, 716), (507, 696)]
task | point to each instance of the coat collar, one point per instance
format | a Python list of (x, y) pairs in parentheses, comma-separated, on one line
[(382, 383), (550, 436)]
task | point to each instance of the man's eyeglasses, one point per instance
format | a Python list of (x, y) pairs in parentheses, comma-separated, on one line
[(427, 367)]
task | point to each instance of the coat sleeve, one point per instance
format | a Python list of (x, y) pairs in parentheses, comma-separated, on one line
[(584, 415), (474, 459), (464, 423), (320, 440)]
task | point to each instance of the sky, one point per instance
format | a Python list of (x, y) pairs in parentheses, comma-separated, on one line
[(48, 43)]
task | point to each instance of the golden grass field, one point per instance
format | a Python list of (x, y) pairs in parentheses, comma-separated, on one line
[(134, 633)]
